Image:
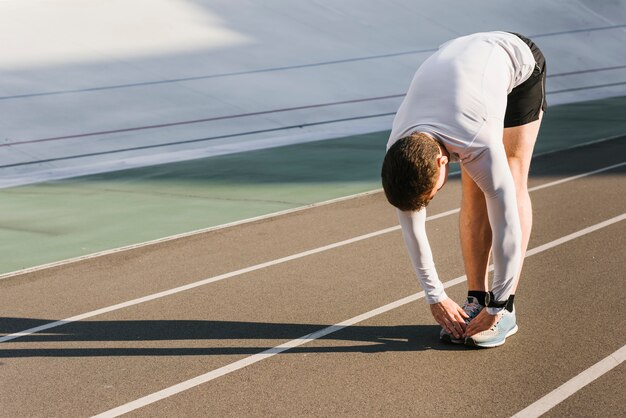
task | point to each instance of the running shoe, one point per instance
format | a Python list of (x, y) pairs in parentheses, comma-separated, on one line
[(471, 308), (505, 326)]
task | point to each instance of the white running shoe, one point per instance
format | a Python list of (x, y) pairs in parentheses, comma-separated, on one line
[(505, 326), (471, 308)]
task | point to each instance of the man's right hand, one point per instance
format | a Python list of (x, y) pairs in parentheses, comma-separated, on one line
[(450, 316)]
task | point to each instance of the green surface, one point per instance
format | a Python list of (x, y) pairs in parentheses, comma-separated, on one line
[(62, 219)]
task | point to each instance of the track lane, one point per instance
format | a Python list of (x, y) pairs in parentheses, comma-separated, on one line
[(602, 397), (394, 363), (119, 277), (307, 294)]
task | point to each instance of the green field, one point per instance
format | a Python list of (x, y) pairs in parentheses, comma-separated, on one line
[(56, 220)]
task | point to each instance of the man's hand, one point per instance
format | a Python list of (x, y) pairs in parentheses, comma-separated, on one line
[(483, 321), (450, 316)]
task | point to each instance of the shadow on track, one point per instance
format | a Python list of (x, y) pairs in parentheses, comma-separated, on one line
[(371, 339)]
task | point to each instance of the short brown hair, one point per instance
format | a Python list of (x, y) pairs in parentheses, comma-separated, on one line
[(410, 171)]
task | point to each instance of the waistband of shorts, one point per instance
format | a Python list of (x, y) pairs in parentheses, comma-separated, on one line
[(539, 58)]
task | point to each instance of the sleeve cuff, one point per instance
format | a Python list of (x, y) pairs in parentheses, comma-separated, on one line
[(436, 298)]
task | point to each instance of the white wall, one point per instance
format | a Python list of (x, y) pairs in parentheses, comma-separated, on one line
[(73, 69)]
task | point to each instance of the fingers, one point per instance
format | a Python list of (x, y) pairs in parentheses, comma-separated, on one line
[(474, 327), (462, 313), (474, 330), (459, 324), (458, 329), (450, 316), (453, 326), (453, 329), (461, 320), (447, 324), (469, 331), (482, 322)]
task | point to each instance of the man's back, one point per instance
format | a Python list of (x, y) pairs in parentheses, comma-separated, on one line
[(461, 87)]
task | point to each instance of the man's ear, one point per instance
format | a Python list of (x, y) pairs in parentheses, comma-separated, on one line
[(442, 160)]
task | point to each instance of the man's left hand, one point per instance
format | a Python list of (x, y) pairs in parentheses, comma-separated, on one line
[(482, 322)]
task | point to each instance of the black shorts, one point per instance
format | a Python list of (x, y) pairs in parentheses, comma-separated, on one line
[(526, 100)]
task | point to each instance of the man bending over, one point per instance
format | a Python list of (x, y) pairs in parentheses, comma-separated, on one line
[(478, 100)]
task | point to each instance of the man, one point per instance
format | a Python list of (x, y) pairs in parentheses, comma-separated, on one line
[(478, 100)]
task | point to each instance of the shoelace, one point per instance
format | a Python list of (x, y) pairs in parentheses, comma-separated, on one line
[(472, 309)]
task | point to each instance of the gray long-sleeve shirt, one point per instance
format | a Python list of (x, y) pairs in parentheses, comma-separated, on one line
[(459, 96)]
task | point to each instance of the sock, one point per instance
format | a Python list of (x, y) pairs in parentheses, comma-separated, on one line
[(478, 294), (509, 303)]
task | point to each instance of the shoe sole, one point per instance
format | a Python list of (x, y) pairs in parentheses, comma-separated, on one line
[(470, 341)]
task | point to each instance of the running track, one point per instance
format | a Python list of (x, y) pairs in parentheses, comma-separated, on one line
[(233, 344)]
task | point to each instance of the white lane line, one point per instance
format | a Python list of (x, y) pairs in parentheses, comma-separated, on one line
[(195, 284), (189, 286), (573, 385), (574, 235), (579, 145), (249, 220), (255, 358), (554, 183)]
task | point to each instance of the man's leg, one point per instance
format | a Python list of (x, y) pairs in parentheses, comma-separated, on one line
[(475, 234), (476, 245)]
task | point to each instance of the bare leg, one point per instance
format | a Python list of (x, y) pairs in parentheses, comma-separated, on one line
[(475, 233)]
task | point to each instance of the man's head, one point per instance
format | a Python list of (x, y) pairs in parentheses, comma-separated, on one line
[(414, 169)]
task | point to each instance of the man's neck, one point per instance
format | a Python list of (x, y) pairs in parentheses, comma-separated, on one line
[(442, 148)]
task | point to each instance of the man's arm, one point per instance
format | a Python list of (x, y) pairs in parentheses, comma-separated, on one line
[(445, 311), (414, 234)]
